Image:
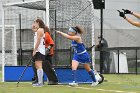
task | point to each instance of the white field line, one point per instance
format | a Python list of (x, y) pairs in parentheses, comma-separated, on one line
[(115, 91)]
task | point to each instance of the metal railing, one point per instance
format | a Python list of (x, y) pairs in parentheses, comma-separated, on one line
[(64, 57)]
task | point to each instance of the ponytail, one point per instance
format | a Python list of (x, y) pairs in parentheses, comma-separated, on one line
[(80, 30)]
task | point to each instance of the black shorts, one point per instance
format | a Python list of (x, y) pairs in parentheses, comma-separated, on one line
[(39, 57)]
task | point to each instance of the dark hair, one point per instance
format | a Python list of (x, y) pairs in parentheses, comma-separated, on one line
[(47, 29), (79, 29), (41, 23)]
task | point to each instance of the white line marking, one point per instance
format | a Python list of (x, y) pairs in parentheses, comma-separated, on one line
[(116, 91), (83, 88)]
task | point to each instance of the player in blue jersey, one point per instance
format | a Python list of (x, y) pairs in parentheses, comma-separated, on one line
[(80, 53)]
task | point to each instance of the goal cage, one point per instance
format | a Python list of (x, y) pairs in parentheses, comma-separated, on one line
[(58, 15), (8, 49)]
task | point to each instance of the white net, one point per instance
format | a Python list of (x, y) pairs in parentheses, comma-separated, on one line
[(71, 13), (68, 13), (10, 48)]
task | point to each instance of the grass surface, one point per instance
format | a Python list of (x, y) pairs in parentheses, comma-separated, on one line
[(115, 84), (0, 75)]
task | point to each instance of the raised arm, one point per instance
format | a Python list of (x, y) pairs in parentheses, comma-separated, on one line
[(122, 14), (135, 23), (126, 11), (136, 15)]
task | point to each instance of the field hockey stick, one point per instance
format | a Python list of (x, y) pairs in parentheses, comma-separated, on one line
[(24, 71)]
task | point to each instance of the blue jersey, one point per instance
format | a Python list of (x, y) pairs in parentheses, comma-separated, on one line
[(80, 53), (78, 47)]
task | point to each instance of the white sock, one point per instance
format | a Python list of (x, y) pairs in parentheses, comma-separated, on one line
[(40, 75)]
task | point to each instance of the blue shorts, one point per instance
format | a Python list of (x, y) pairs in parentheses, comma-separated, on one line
[(82, 58)]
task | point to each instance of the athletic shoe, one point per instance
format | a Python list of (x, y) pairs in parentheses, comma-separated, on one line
[(38, 85), (35, 81), (94, 83), (73, 84)]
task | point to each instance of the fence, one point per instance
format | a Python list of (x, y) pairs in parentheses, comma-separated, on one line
[(64, 57)]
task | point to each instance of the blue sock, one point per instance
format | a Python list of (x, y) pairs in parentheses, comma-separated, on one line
[(91, 73), (74, 75)]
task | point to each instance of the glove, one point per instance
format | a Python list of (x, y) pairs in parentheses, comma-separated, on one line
[(127, 11), (121, 14)]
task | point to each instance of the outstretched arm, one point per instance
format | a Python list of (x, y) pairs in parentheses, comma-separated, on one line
[(126, 11), (137, 24), (122, 14), (76, 38), (136, 15)]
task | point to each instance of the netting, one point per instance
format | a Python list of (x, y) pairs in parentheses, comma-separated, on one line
[(10, 45), (70, 13)]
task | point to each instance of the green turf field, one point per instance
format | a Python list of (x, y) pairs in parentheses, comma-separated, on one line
[(0, 75), (115, 84)]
